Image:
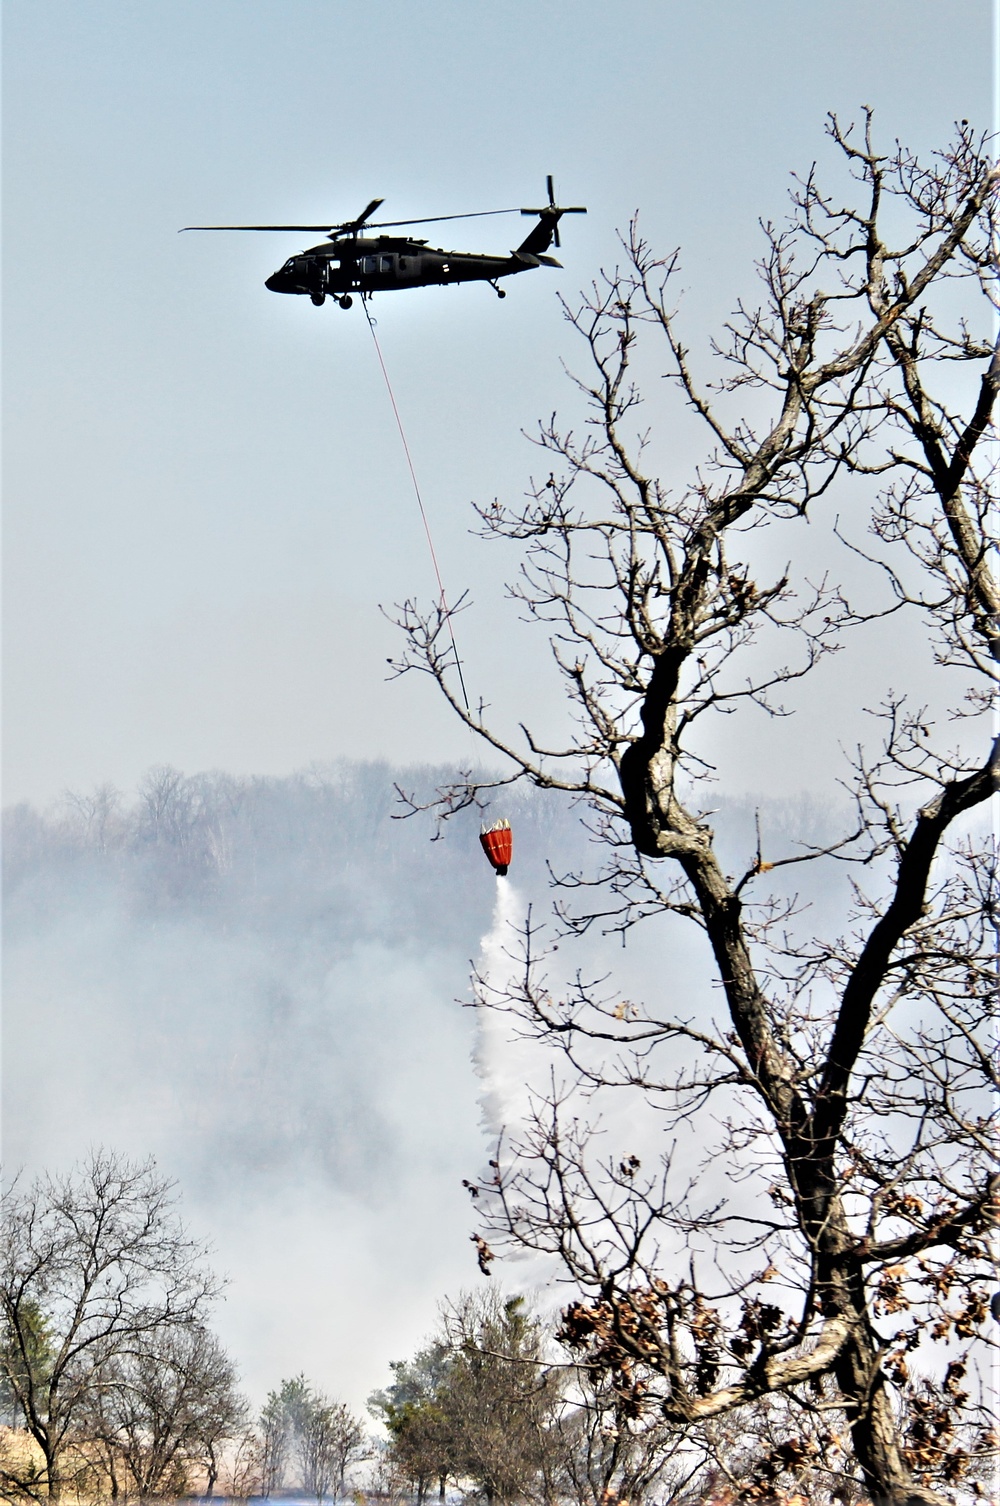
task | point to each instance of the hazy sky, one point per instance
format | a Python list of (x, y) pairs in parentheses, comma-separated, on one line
[(205, 495), (206, 502)]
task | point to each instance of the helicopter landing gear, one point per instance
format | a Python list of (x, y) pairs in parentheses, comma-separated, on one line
[(346, 302), (498, 291), (318, 299)]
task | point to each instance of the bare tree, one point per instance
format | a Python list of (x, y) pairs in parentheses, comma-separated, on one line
[(241, 1476), (278, 1423), (845, 1087), (330, 1440), (606, 1452), (99, 812), (163, 1411), (321, 1438), (95, 1271)]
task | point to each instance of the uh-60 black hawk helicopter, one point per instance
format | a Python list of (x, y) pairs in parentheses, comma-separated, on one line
[(351, 263)]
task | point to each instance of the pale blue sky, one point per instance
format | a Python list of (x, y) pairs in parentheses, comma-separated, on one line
[(206, 500)]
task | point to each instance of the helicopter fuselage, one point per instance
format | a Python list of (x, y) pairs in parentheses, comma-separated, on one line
[(349, 262), (381, 263)]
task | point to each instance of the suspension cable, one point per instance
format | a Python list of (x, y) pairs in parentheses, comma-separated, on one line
[(427, 527)]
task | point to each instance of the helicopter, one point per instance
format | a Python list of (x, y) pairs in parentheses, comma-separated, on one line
[(354, 263)]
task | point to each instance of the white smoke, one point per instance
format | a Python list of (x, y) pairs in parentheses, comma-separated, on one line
[(261, 994), (502, 1057)]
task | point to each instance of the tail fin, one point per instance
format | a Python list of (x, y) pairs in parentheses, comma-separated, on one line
[(547, 229), (542, 236)]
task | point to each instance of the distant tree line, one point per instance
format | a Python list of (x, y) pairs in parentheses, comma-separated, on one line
[(255, 847)]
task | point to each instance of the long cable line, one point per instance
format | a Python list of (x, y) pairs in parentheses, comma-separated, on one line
[(416, 488)]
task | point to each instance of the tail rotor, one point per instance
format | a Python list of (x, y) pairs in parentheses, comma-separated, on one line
[(553, 210)]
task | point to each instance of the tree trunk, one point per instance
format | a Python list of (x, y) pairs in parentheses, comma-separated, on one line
[(54, 1476), (212, 1472), (868, 1407), (887, 1476)]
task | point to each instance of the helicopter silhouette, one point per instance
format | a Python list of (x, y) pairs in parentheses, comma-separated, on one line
[(350, 262)]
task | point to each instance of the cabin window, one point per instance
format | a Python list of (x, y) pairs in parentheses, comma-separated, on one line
[(369, 264), (385, 263)]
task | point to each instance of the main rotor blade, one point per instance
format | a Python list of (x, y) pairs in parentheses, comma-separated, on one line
[(346, 225), (324, 229), (362, 217), (436, 219), (350, 225)]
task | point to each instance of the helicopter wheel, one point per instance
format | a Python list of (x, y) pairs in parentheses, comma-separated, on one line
[(501, 293), (346, 302), (318, 299)]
